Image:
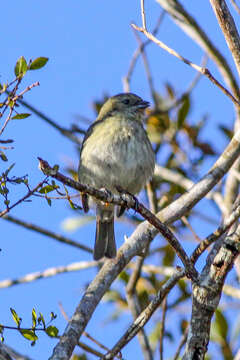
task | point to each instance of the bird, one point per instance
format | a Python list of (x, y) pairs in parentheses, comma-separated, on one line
[(115, 154)]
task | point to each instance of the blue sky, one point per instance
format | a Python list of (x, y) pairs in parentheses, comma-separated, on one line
[(89, 45)]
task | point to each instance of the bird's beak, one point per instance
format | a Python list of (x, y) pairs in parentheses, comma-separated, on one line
[(143, 104)]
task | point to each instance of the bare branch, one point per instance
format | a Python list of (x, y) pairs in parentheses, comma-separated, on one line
[(131, 202), (6, 350), (229, 29), (143, 15), (190, 26), (207, 293), (46, 232), (51, 122), (236, 6), (136, 54), (29, 193), (135, 244), (77, 266), (162, 327), (215, 236), (14, 99), (200, 69), (143, 318)]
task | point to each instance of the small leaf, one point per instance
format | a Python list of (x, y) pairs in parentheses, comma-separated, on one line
[(15, 316), (183, 111), (49, 201), (56, 168), (29, 334), (9, 169), (41, 320), (34, 318), (21, 116), (38, 63), (52, 331), (221, 324), (228, 132), (48, 188), (53, 316), (21, 67), (3, 156)]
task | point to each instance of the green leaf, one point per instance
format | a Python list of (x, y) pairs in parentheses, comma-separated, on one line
[(56, 168), (29, 334), (21, 67), (38, 63), (48, 188), (49, 201), (183, 111), (221, 324), (21, 116), (3, 156), (124, 277), (41, 320), (53, 316), (15, 316), (34, 318), (228, 132), (9, 169), (52, 331)]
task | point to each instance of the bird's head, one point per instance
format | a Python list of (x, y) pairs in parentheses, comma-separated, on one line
[(128, 103)]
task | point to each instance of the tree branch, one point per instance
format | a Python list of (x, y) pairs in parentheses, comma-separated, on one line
[(135, 245)]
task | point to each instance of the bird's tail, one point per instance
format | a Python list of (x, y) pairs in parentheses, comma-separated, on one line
[(105, 238)]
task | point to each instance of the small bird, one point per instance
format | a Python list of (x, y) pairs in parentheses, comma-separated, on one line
[(115, 154)]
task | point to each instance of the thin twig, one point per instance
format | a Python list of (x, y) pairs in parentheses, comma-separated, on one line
[(30, 193), (51, 122), (189, 226), (146, 66), (235, 5), (143, 15), (14, 99), (200, 69), (182, 342), (214, 236), (189, 25), (46, 232), (143, 318), (77, 266), (136, 54), (162, 327)]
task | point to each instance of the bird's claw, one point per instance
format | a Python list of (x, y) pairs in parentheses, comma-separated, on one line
[(128, 198)]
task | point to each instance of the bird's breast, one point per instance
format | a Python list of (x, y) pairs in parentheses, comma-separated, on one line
[(117, 154)]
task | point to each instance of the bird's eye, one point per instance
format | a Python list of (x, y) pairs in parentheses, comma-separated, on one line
[(126, 101)]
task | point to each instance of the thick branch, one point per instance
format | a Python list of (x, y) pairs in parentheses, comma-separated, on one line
[(229, 29), (135, 244), (207, 294)]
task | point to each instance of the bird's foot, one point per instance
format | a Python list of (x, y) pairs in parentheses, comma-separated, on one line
[(130, 201), (108, 195)]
